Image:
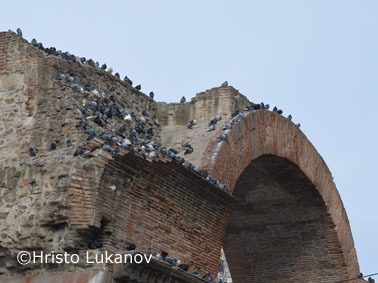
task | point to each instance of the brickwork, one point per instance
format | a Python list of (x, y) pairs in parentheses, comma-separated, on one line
[(288, 223)]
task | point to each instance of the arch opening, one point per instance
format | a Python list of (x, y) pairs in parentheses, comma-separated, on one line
[(280, 229)]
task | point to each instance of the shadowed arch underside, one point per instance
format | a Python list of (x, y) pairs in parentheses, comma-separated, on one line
[(290, 223), (280, 230)]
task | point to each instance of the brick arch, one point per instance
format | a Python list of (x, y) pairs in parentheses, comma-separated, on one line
[(267, 147)]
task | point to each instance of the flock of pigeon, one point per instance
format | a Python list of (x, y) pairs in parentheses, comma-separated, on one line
[(163, 256), (135, 134)]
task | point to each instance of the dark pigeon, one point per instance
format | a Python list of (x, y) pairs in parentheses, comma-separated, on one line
[(152, 94), (138, 87), (32, 151), (188, 150), (52, 146), (183, 99), (94, 245), (131, 247), (69, 143)]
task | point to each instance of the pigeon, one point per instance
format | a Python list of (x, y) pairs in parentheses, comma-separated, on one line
[(236, 112), (131, 247), (224, 84), (188, 150), (117, 75), (228, 126), (88, 153), (185, 144), (298, 125), (164, 151), (222, 137), (148, 251), (87, 87), (32, 151), (183, 99), (103, 67), (106, 147), (94, 245), (152, 94), (208, 277), (266, 107), (138, 87), (145, 113), (289, 117), (184, 267), (34, 42), (279, 111), (153, 154), (62, 77), (189, 125), (211, 128), (196, 273), (213, 121), (98, 121), (19, 32), (75, 87), (52, 146), (218, 117), (79, 150), (275, 109), (113, 188), (158, 257), (115, 152), (128, 117), (82, 59), (68, 143)]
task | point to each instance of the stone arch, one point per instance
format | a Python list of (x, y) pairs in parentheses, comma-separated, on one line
[(262, 144)]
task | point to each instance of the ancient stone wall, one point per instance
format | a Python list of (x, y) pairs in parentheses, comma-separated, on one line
[(203, 107)]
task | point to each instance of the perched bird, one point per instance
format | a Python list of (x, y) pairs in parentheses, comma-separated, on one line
[(131, 247), (152, 94), (188, 150), (279, 111), (79, 150), (189, 125), (275, 109), (183, 99), (148, 251), (184, 267), (106, 147), (62, 77), (208, 277), (34, 42), (52, 146), (289, 117), (88, 153), (117, 75), (298, 125), (115, 152), (211, 128), (94, 245), (68, 143), (32, 151), (103, 67), (158, 257), (222, 137), (113, 188), (218, 117), (236, 112), (110, 70), (196, 273), (224, 84), (266, 106), (87, 87), (138, 87), (185, 144), (19, 32), (228, 126)]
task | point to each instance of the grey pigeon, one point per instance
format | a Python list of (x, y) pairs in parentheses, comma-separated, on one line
[(138, 87), (228, 126), (62, 77), (266, 106), (211, 128), (289, 117), (188, 150), (88, 153), (152, 94), (106, 147), (185, 144), (148, 251), (19, 32), (222, 137), (79, 150), (298, 125), (196, 273), (183, 99), (224, 84)]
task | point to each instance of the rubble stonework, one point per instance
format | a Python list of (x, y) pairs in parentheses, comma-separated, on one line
[(285, 221)]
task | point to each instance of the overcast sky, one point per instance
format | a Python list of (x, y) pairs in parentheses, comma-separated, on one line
[(317, 60)]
